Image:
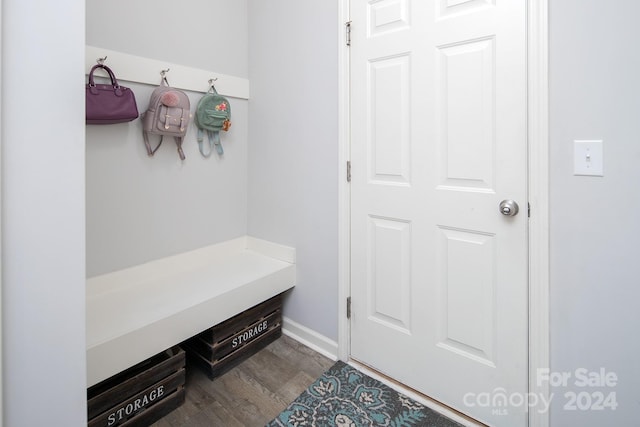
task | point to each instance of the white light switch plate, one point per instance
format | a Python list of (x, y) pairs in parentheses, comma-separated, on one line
[(588, 158)]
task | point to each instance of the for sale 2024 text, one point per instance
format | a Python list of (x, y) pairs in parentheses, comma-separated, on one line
[(591, 390)]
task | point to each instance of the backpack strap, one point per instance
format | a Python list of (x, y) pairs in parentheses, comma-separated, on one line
[(150, 152), (179, 140), (214, 141)]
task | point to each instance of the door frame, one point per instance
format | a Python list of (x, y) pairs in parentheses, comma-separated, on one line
[(538, 190), (1, 244)]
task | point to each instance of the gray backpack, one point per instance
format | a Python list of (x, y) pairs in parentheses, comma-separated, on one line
[(168, 114)]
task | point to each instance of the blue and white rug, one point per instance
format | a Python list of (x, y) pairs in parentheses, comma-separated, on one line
[(345, 397)]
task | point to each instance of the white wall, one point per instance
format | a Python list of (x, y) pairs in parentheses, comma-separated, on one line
[(595, 273), (141, 208), (293, 153), (43, 275)]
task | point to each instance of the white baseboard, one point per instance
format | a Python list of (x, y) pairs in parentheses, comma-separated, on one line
[(310, 338)]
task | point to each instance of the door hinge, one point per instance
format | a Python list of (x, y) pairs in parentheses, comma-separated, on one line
[(348, 170), (528, 210), (347, 33), (348, 307)]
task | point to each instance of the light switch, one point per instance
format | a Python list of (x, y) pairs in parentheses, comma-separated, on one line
[(588, 158)]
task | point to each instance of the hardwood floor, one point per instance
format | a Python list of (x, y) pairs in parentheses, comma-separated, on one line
[(251, 394)]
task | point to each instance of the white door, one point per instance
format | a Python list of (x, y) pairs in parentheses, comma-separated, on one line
[(438, 140)]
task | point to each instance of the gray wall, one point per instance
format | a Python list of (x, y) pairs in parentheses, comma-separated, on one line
[(43, 273), (279, 178), (292, 187), (293, 153), (595, 273), (141, 208), (205, 34)]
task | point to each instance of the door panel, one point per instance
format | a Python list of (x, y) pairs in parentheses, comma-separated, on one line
[(390, 275), (467, 282), (438, 139), (389, 140), (466, 113)]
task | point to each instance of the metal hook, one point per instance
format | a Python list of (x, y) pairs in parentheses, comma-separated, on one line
[(211, 85), (100, 61), (163, 73)]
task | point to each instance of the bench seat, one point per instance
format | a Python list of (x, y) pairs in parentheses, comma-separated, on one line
[(135, 313)]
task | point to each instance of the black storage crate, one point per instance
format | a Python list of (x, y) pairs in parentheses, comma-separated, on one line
[(141, 394), (220, 348)]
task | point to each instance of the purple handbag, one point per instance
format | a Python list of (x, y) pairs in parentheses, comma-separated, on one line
[(108, 104)]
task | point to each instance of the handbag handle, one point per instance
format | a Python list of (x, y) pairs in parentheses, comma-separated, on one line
[(114, 81)]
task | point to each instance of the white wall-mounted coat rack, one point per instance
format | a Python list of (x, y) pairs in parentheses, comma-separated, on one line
[(138, 69)]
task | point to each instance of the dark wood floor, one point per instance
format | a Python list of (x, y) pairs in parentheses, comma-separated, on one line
[(251, 394)]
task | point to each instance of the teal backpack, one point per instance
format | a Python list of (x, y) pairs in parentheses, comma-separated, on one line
[(213, 114)]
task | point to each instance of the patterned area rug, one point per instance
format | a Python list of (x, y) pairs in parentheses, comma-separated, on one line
[(345, 397)]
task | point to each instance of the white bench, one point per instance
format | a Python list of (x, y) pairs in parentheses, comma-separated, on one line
[(135, 313)]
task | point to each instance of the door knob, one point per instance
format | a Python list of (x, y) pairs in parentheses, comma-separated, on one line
[(509, 208)]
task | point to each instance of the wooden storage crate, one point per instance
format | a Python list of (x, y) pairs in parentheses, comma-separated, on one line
[(220, 348), (141, 394)]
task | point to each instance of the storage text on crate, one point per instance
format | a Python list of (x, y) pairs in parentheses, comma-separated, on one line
[(250, 334), (130, 408)]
